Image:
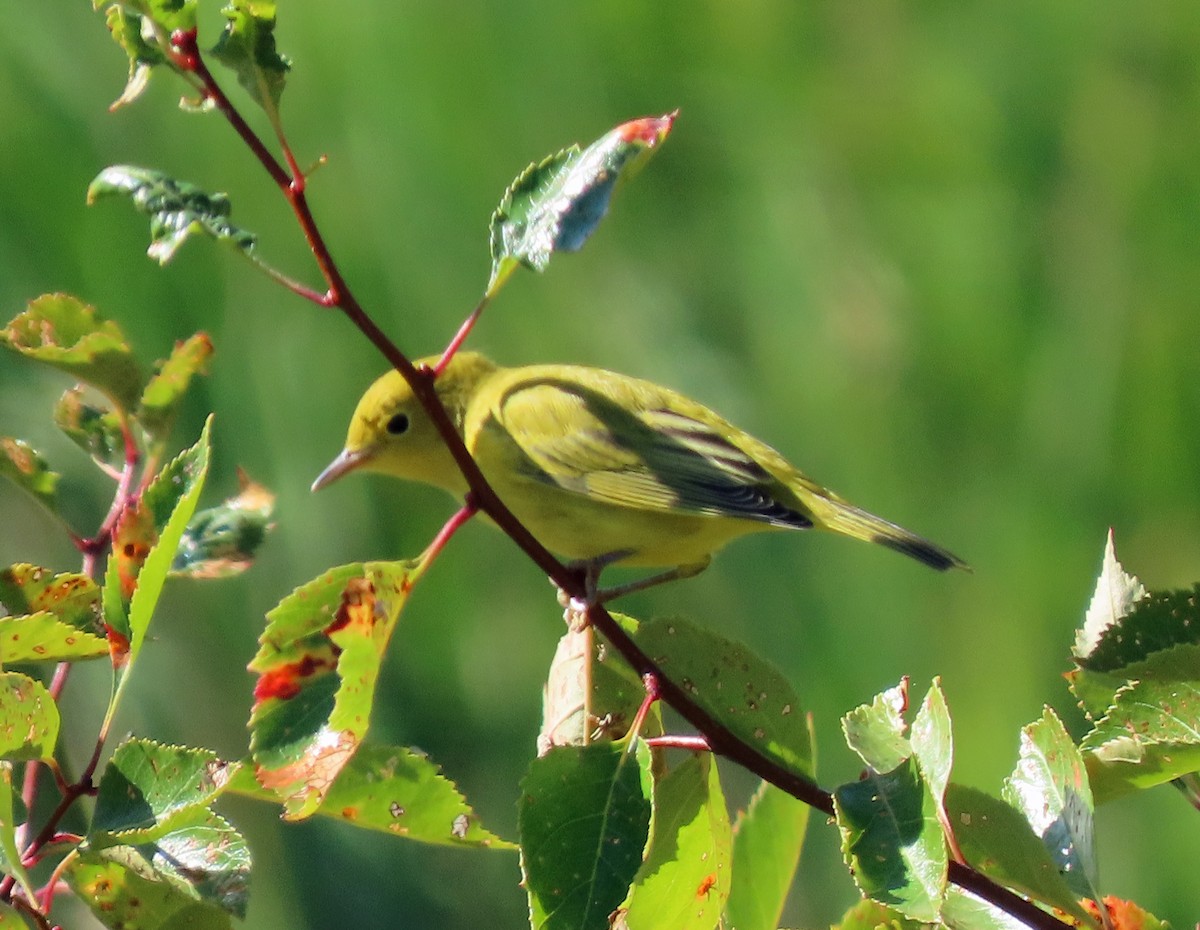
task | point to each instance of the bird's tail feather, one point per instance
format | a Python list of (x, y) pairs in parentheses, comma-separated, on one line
[(840, 517)]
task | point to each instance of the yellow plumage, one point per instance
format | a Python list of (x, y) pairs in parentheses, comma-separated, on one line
[(602, 467)]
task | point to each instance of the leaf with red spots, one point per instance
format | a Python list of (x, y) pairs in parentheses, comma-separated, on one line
[(318, 662), (1124, 915), (685, 880), (29, 718), (195, 876), (221, 541), (64, 332), (556, 204), (744, 692), (397, 791), (167, 387), (148, 790)]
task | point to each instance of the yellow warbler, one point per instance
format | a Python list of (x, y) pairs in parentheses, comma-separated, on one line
[(603, 468)]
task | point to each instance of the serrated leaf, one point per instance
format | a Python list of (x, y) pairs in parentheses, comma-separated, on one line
[(176, 209), (222, 541), (396, 791), (195, 877), (247, 46), (167, 387), (62, 331), (95, 430), (147, 789), (767, 839), (318, 663), (21, 464), (685, 880), (1150, 735), (29, 718), (998, 841), (1116, 593), (69, 596), (1050, 786), (583, 661), (876, 731), (170, 500), (1159, 637), (42, 637), (10, 856), (892, 840), (556, 204), (742, 691), (584, 817), (1094, 691)]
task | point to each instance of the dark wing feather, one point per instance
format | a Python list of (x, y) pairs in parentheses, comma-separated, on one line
[(580, 439)]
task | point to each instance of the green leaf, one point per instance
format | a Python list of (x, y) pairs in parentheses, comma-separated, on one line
[(397, 791), (1094, 691), (871, 915), (42, 637), (964, 911), (221, 541), (742, 691), (148, 789), (581, 661), (10, 918), (171, 500), (167, 387), (1158, 638), (29, 718), (892, 841), (1050, 786), (176, 209), (1116, 593), (998, 841), (584, 818), (71, 597), (247, 46), (10, 856), (876, 731), (767, 839), (555, 205), (1150, 735), (194, 878), (62, 331), (95, 430), (932, 740), (684, 882), (318, 662), (21, 464), (142, 28)]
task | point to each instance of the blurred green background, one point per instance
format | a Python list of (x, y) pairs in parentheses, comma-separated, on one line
[(943, 256)]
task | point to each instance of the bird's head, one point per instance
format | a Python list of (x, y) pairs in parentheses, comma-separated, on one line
[(391, 433)]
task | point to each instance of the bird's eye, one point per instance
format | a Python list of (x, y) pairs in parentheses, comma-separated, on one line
[(398, 424)]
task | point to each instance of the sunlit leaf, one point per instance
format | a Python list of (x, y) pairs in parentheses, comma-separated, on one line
[(963, 910), (998, 841), (97, 431), (1050, 786), (148, 789), (744, 692), (21, 464), (1158, 638), (685, 880), (51, 617), (64, 332), (1150, 735), (222, 541), (556, 204), (892, 840), (871, 915), (176, 209), (876, 731), (29, 718), (584, 818), (167, 387), (396, 791), (767, 839), (318, 662), (247, 46), (1116, 593)]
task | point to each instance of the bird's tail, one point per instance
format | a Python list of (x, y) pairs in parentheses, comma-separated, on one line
[(841, 517)]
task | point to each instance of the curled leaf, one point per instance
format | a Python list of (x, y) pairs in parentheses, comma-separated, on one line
[(221, 541), (247, 46), (21, 464)]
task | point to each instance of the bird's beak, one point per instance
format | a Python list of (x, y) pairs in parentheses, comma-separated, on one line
[(348, 461)]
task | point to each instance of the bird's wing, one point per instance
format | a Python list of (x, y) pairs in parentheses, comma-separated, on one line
[(643, 455)]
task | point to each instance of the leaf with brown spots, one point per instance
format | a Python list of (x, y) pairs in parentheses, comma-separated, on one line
[(318, 663), (29, 718)]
